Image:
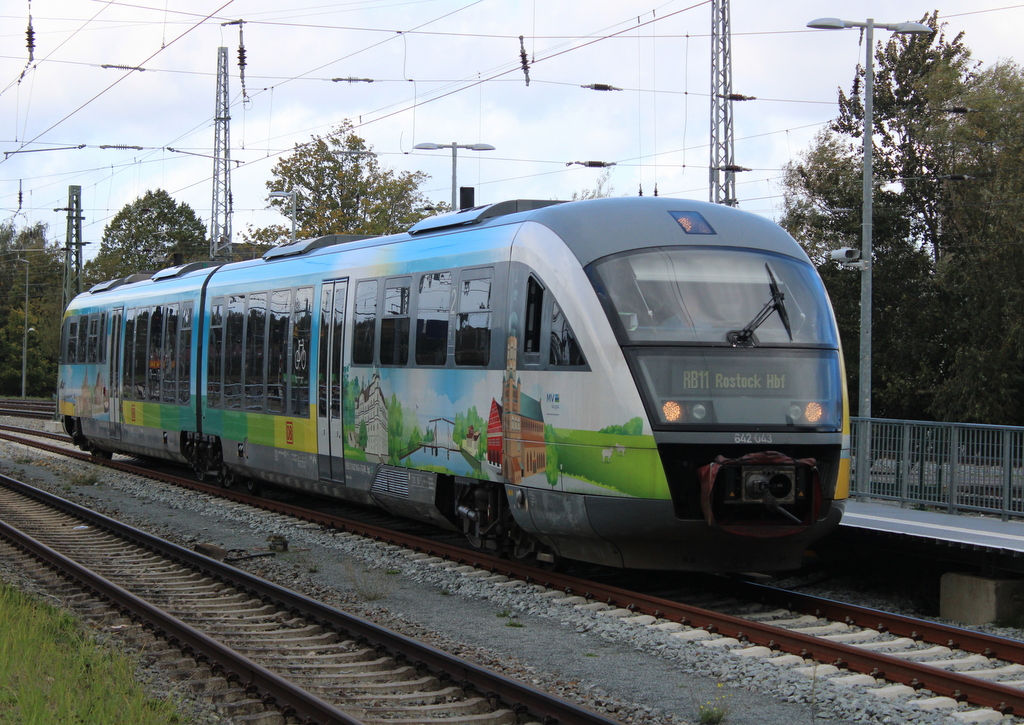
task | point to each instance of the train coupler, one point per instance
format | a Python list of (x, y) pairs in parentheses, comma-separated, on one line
[(763, 494)]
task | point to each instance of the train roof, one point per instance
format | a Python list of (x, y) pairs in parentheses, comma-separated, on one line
[(592, 229)]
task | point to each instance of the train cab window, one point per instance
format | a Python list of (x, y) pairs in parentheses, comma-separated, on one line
[(564, 351), (277, 349), (394, 325), (534, 318), (71, 341), (215, 355), (473, 325), (365, 323), (255, 351), (169, 364), (185, 353), (140, 360), (234, 334), (433, 310), (302, 330)]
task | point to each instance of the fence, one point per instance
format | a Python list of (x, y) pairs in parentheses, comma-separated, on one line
[(954, 467)]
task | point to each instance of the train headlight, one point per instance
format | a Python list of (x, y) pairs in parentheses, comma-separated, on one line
[(699, 411), (672, 411), (806, 413), (813, 412)]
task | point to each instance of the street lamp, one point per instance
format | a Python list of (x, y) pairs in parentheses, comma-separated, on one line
[(454, 147), (24, 340), (867, 211), (287, 194)]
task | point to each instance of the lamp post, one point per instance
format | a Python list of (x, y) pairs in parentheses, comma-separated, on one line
[(454, 147), (24, 340), (866, 213), (287, 194)]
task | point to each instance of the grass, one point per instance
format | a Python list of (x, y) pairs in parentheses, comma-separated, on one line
[(84, 478), (67, 678), (369, 584), (713, 711)]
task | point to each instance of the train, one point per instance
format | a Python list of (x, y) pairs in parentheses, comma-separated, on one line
[(644, 383)]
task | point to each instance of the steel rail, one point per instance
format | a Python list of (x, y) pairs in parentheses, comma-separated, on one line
[(521, 698), (192, 642), (954, 684)]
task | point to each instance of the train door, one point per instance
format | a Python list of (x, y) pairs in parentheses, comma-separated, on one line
[(115, 341), (330, 382)]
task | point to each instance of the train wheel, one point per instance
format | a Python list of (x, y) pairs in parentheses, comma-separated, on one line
[(253, 487), (100, 453), (225, 478)]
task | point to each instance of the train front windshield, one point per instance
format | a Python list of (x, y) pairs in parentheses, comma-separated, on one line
[(726, 337)]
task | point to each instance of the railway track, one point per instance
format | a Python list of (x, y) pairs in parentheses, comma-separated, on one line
[(890, 655), (17, 407), (266, 643)]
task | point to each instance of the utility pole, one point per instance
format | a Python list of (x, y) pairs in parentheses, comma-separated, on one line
[(722, 143), (73, 245), (220, 216)]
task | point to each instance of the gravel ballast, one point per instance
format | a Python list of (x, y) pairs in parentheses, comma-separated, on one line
[(635, 673)]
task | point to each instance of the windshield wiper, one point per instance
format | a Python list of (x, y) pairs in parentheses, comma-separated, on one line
[(743, 338)]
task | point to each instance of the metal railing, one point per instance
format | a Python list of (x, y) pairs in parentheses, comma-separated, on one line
[(954, 467)]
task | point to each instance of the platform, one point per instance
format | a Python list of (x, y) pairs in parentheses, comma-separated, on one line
[(981, 540)]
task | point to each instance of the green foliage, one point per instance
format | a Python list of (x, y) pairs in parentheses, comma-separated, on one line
[(551, 455), (948, 263), (45, 284), (634, 427), (146, 235), (341, 189)]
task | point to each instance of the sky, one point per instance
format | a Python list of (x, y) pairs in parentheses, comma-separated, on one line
[(442, 71)]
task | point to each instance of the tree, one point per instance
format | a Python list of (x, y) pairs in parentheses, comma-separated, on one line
[(146, 235), (947, 269), (341, 189), (42, 343)]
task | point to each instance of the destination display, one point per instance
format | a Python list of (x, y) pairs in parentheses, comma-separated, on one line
[(721, 387), (707, 380)]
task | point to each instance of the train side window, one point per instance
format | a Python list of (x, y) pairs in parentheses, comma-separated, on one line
[(365, 325), (234, 329), (103, 336), (185, 353), (323, 346), (215, 355), (534, 316), (565, 351), (156, 341), (277, 348), (127, 348), (394, 325), (169, 366), (92, 351), (83, 338), (255, 351), (433, 308), (140, 362), (302, 330), (71, 341), (473, 325)]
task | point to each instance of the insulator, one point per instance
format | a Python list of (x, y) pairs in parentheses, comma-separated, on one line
[(241, 57)]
